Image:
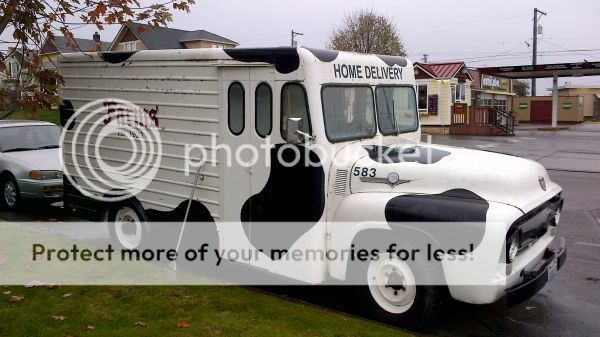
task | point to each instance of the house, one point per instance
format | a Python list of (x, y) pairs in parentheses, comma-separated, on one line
[(53, 47), (16, 76), (491, 91), (441, 88), (136, 36)]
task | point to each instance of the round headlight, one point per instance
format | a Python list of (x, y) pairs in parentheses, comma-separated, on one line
[(393, 178), (513, 249)]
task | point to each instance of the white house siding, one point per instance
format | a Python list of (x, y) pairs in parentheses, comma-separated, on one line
[(442, 88)]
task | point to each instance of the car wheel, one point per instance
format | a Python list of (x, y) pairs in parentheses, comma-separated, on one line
[(10, 194), (128, 225), (392, 294)]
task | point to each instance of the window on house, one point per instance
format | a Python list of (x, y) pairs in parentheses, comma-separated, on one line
[(263, 109), (128, 46), (460, 92), (500, 103), (14, 69), (422, 97), (236, 107), (486, 100), (294, 104)]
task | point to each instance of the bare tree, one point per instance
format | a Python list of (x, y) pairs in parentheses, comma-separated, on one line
[(365, 31)]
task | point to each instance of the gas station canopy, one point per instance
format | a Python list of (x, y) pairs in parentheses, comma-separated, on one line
[(545, 70), (554, 70)]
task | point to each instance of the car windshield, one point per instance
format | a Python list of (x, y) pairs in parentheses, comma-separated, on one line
[(349, 112), (396, 110), (30, 137)]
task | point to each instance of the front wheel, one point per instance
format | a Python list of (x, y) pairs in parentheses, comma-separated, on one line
[(10, 193), (391, 293)]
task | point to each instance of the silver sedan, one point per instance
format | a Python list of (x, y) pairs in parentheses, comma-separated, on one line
[(29, 162)]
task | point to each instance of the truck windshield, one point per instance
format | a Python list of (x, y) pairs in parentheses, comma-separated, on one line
[(396, 109), (349, 112)]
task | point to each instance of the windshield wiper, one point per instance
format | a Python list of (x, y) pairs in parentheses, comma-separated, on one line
[(47, 147), (17, 149)]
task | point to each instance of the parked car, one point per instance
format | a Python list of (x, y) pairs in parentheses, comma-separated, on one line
[(29, 162)]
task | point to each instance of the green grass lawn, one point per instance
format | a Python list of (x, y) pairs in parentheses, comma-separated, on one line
[(211, 311), (51, 116)]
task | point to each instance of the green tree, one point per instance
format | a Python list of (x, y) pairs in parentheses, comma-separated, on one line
[(365, 31), (32, 21)]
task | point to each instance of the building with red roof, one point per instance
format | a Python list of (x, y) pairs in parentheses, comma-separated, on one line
[(441, 87)]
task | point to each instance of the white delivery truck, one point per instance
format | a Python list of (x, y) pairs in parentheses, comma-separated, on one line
[(356, 117)]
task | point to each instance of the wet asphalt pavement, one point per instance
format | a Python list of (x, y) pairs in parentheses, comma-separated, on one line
[(568, 306)]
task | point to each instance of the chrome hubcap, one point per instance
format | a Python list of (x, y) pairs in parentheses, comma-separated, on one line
[(10, 194)]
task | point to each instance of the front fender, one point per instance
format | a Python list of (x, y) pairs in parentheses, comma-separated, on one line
[(445, 220)]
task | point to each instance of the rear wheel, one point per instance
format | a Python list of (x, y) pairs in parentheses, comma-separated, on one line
[(10, 192), (127, 224)]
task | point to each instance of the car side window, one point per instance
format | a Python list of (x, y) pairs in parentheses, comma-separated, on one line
[(236, 108), (263, 109), (294, 104)]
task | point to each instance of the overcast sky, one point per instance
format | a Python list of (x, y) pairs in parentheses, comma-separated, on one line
[(479, 32)]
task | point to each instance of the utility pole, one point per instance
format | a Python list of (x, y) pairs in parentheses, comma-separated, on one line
[(535, 34), (425, 55), (294, 34)]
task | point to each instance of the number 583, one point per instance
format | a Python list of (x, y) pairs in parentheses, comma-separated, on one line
[(364, 172)]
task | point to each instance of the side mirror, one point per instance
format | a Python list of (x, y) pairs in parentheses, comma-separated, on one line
[(293, 135)]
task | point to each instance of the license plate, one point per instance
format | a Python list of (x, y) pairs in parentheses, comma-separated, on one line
[(552, 269)]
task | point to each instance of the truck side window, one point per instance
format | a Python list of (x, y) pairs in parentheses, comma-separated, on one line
[(236, 104), (294, 104), (263, 109)]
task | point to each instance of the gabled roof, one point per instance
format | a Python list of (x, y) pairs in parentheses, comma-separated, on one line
[(442, 70), (206, 36), (61, 45), (17, 54), (476, 76), (169, 38)]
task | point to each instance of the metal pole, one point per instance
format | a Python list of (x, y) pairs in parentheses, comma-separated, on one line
[(535, 34), (294, 34), (555, 100), (534, 56)]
